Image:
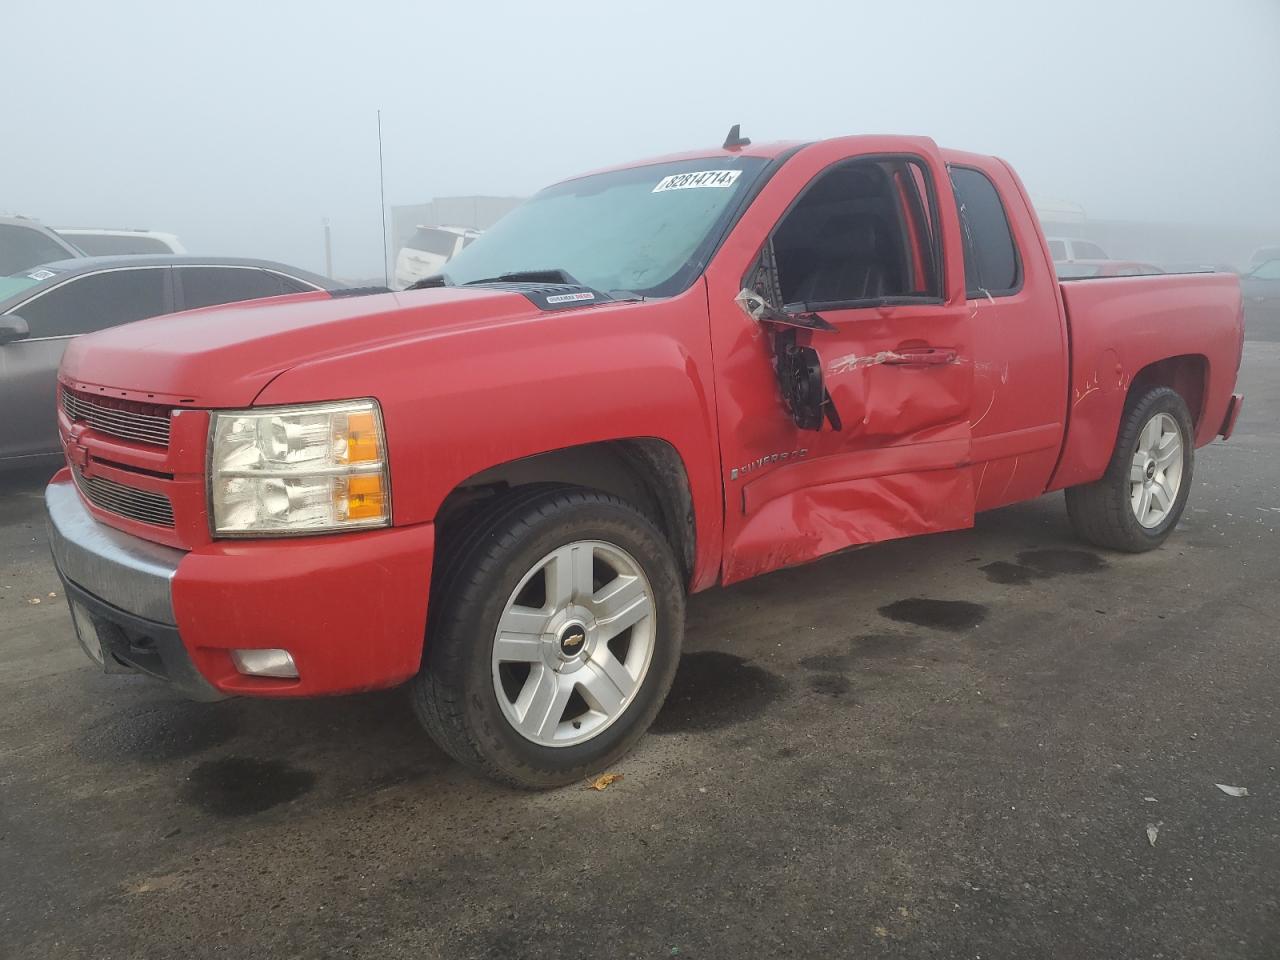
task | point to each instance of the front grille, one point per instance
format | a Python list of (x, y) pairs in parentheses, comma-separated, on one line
[(130, 502), (141, 422)]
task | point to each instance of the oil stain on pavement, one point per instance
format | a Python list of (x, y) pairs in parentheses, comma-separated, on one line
[(951, 615), (834, 685), (1035, 565), (713, 690), (239, 786), (831, 668)]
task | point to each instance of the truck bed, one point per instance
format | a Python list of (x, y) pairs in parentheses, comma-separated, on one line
[(1119, 327)]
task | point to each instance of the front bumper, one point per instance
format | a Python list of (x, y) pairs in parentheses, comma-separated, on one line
[(350, 608)]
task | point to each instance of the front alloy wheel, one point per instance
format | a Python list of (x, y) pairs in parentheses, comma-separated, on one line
[(574, 643), (556, 625)]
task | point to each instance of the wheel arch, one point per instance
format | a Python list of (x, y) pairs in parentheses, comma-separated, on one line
[(1096, 413), (1187, 375), (645, 471)]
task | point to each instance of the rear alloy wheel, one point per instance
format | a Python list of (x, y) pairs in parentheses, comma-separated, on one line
[(1155, 477), (555, 633), (1139, 500)]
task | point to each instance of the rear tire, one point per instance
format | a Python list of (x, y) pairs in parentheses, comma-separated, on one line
[(1139, 500), (585, 595)]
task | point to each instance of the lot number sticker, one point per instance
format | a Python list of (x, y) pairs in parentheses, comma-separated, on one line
[(700, 178)]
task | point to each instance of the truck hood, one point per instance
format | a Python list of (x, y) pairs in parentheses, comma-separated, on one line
[(224, 356)]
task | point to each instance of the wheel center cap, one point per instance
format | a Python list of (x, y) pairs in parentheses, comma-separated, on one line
[(573, 640), (1151, 469)]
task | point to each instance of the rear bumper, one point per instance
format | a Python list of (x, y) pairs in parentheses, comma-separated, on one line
[(351, 609), (1234, 406)]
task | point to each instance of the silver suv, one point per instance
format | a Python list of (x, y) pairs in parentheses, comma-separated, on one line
[(25, 244)]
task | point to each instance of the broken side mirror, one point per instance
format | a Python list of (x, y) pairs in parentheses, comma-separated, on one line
[(13, 328), (798, 367)]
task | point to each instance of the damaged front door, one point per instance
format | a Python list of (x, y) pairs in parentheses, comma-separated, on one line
[(844, 370)]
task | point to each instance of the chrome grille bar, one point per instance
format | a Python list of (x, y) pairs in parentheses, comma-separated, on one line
[(142, 505), (119, 421)]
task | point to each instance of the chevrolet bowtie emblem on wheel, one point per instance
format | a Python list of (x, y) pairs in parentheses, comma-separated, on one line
[(573, 639)]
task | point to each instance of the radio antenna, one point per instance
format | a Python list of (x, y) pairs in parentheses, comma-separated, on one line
[(382, 196)]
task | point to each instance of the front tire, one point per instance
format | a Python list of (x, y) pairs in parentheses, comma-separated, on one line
[(555, 634), (1139, 500)]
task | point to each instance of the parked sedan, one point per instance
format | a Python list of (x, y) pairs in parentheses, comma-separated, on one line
[(1078, 269), (1261, 291), (42, 308)]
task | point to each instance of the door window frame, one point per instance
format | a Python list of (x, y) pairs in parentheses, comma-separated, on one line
[(180, 292), (169, 296), (932, 219)]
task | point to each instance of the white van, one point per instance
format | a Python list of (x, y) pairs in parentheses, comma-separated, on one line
[(110, 243), (428, 250)]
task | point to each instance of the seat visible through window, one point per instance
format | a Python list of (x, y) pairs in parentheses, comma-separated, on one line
[(851, 262), (861, 231)]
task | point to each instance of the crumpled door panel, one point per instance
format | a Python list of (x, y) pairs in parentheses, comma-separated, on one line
[(877, 400), (813, 521)]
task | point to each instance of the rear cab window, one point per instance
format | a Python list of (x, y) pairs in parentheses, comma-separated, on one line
[(992, 265)]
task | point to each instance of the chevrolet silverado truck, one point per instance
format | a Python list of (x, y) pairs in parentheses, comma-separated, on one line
[(500, 486)]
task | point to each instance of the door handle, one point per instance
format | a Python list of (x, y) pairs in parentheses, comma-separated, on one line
[(922, 357)]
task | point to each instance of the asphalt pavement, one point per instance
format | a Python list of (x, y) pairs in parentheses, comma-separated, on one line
[(995, 743)]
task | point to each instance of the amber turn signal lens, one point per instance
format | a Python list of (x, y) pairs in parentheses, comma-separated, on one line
[(362, 438), (365, 497)]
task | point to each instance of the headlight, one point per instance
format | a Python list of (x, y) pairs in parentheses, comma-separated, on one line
[(312, 468)]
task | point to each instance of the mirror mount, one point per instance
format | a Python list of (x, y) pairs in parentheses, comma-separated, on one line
[(798, 367), (13, 328)]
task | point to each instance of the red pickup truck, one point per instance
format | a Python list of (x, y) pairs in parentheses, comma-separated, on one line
[(501, 485)]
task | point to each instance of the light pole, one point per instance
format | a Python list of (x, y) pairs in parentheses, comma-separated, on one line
[(328, 250)]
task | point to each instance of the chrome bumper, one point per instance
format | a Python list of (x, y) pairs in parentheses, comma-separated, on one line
[(129, 573)]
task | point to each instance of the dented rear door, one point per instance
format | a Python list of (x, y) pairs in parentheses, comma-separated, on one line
[(896, 362)]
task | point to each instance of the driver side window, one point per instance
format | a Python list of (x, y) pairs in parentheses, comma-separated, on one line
[(862, 231)]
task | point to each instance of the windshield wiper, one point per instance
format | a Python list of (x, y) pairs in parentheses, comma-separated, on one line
[(427, 283), (547, 275)]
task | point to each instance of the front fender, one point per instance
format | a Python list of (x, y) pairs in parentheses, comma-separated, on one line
[(463, 401)]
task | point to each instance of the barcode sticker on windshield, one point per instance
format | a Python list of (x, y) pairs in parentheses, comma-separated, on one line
[(700, 178)]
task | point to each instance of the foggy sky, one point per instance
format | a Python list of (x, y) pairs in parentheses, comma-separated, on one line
[(240, 125)]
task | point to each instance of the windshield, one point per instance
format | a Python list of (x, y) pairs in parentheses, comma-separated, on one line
[(9, 286), (645, 230)]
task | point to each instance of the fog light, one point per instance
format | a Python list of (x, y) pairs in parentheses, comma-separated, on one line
[(265, 663)]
